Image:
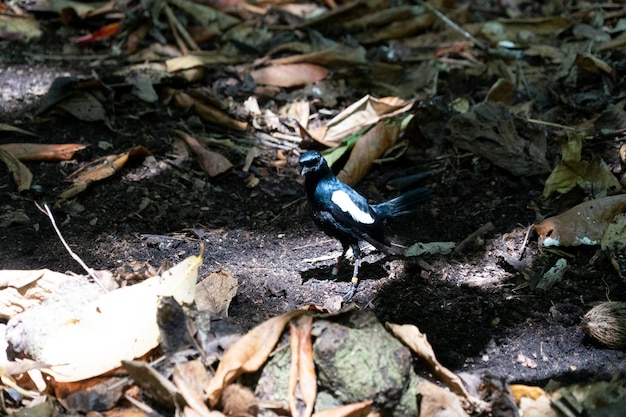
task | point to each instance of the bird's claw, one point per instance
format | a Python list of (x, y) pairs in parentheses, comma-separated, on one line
[(351, 292)]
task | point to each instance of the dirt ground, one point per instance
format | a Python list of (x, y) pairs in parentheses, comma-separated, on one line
[(479, 312)]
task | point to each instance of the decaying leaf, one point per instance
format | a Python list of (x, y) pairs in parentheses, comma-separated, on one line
[(491, 131), (42, 152), (100, 169), (21, 175), (583, 224), (83, 342), (366, 150), (238, 400), (248, 353), (593, 176), (613, 244), (438, 401), (23, 289), (211, 162), (417, 342), (302, 371), (215, 292)]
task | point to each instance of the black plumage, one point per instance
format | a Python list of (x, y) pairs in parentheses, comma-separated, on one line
[(344, 214)]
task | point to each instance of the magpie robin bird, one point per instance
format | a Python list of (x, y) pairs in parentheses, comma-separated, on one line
[(342, 213)]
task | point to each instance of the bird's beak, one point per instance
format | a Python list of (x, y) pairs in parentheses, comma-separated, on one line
[(304, 170)]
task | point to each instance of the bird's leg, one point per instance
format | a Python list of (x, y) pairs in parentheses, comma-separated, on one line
[(355, 273), (337, 266)]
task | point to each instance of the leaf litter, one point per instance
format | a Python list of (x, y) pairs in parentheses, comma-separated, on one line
[(497, 130)]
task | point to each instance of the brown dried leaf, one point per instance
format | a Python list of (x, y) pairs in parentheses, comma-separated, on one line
[(211, 162), (289, 75), (418, 343), (42, 152), (238, 400), (367, 149), (100, 169), (248, 353), (302, 369), (583, 224), (207, 112), (21, 175), (215, 292), (438, 401)]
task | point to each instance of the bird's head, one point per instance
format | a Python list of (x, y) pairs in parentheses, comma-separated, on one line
[(313, 161)]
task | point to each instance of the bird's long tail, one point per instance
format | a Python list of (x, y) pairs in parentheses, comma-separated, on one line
[(406, 203)]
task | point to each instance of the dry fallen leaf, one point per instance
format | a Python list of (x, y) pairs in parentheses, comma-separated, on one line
[(21, 175), (93, 339), (583, 224), (289, 75), (100, 169), (248, 353), (302, 371), (593, 176), (367, 149), (417, 342), (361, 114), (211, 162), (215, 292), (42, 152)]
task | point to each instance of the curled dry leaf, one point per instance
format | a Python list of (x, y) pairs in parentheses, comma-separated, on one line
[(583, 224), (417, 342), (302, 369), (359, 115), (21, 175), (289, 75), (211, 162), (248, 353), (43, 152), (367, 149)]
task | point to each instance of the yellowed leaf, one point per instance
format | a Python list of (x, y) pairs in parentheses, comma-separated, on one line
[(118, 325)]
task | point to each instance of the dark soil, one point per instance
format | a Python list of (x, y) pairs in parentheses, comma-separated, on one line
[(479, 313)]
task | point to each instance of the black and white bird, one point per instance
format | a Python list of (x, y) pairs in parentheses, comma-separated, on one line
[(344, 214)]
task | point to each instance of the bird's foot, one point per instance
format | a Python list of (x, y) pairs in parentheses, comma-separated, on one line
[(353, 285)]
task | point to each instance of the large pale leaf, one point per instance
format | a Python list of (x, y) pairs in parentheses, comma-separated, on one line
[(119, 325)]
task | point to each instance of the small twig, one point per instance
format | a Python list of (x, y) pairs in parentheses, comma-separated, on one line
[(453, 25), (180, 29), (46, 210), (487, 227), (524, 243)]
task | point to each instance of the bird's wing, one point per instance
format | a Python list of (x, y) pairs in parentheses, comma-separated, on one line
[(352, 210)]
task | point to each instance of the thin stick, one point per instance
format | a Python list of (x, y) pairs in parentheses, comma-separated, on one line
[(90, 271), (453, 25)]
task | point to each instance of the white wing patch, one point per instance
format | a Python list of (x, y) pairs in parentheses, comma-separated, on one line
[(343, 201)]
